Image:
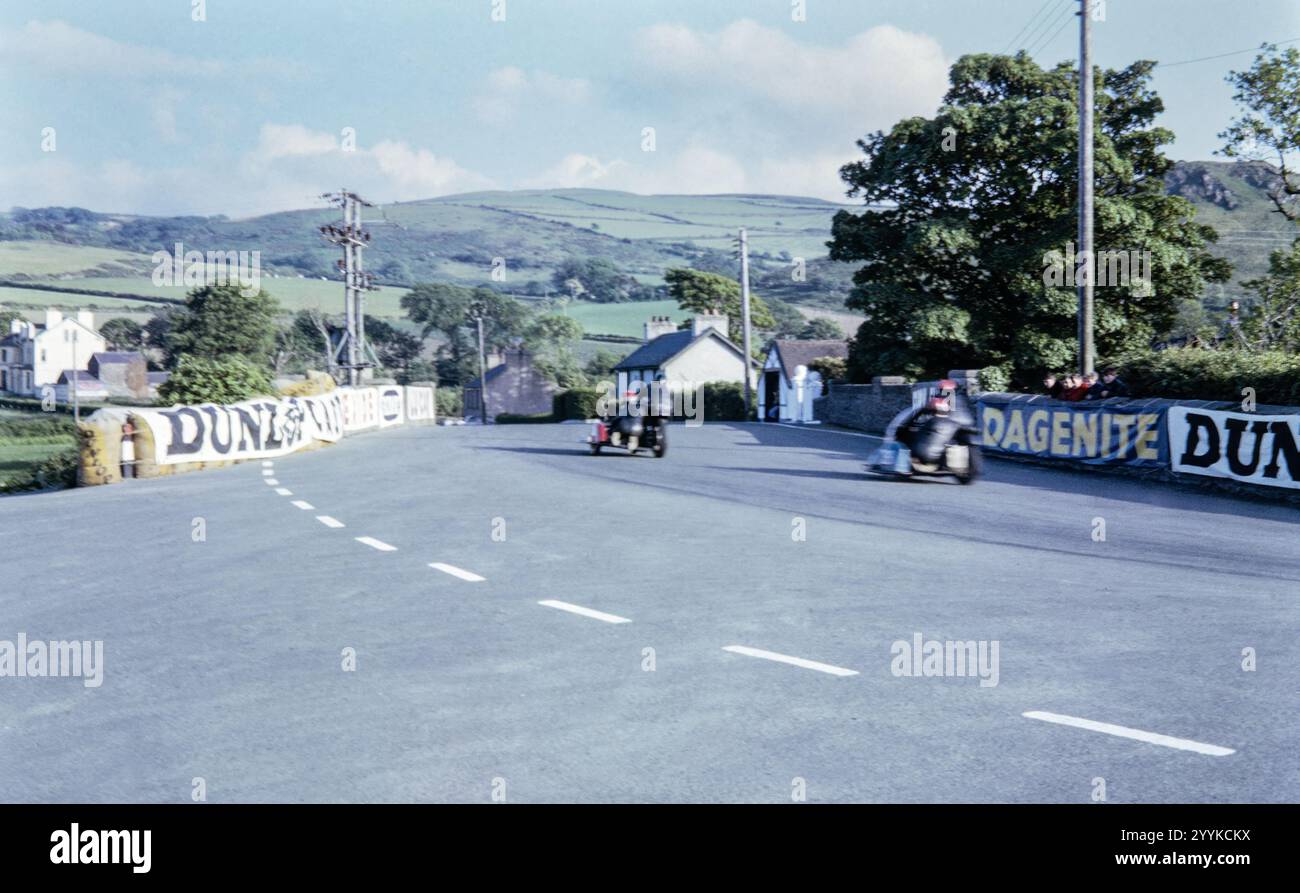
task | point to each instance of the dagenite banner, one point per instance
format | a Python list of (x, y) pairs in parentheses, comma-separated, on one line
[(1101, 433)]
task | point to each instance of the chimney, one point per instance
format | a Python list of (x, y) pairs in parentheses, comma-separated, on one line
[(52, 318), (17, 326), (705, 321), (658, 325), (86, 318)]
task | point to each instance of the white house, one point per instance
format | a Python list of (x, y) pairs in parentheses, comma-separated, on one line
[(696, 355), (788, 386), (33, 355)]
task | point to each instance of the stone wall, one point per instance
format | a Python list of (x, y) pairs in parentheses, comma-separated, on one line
[(867, 407)]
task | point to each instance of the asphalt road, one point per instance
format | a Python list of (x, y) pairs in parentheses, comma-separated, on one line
[(223, 656)]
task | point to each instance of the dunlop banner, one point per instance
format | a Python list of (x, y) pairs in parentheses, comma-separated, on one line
[(420, 406), (253, 429), (1240, 446), (392, 406), (360, 408), (1102, 433)]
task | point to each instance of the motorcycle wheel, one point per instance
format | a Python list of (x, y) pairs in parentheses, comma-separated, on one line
[(595, 449), (661, 443), (633, 444)]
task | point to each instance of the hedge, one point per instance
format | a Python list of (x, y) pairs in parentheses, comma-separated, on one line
[(43, 426), (1199, 374), (56, 472), (724, 401), (575, 403)]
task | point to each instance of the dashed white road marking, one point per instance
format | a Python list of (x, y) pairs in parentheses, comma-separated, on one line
[(267, 472), (267, 463), (376, 544), (456, 572), (787, 659), (585, 612), (283, 491), (305, 506), (328, 521), (1212, 750), (271, 482)]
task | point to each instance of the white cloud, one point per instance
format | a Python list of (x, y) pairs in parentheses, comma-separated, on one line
[(877, 76), (55, 47), (697, 170), (510, 90), (289, 167)]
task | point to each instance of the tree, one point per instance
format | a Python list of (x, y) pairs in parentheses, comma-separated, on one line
[(551, 338), (601, 365), (439, 308), (1269, 131), (700, 292), (1274, 319), (6, 320), (219, 322), (122, 334), (198, 379), (395, 349), (822, 328), (970, 203)]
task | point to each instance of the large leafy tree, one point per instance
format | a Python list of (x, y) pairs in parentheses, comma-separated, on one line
[(969, 203), (1269, 129), (700, 292), (219, 322), (450, 311)]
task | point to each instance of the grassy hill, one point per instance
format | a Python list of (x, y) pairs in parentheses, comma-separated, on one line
[(456, 239)]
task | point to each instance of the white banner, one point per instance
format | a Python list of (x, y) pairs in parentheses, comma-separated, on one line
[(420, 405), (250, 430), (1241, 446), (391, 405), (360, 408)]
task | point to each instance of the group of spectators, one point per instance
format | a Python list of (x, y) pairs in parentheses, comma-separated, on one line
[(1075, 387)]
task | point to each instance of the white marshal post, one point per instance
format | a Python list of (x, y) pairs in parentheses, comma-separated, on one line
[(744, 313)]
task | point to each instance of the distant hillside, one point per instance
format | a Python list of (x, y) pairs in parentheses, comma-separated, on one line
[(1232, 197), (456, 239)]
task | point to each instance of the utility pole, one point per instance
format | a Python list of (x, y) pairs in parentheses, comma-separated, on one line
[(744, 312), (356, 282), (76, 403), (1085, 256), (478, 310)]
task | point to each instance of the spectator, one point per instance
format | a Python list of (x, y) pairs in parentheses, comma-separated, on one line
[(1111, 384), (1075, 388), (1052, 386), (1093, 383)]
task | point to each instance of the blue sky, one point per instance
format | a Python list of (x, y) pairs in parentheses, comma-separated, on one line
[(245, 112)]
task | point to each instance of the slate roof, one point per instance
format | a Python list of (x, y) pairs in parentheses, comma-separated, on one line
[(83, 377), (665, 347), (800, 353), (492, 375), (117, 356)]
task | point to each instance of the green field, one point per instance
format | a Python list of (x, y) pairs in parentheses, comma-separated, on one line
[(17, 455), (37, 259), (622, 319)]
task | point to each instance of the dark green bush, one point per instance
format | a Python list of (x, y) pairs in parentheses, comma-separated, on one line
[(514, 418), (202, 380), (724, 401), (46, 426), (55, 472), (450, 401), (1199, 374), (575, 403)]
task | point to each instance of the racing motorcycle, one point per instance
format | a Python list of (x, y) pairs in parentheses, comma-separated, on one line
[(643, 426), (944, 428), (631, 433)]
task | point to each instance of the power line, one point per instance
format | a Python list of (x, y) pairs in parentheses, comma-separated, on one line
[(1011, 44), (1032, 38), (1225, 55), (1042, 45)]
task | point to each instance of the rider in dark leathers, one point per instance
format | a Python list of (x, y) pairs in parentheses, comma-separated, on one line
[(929, 428)]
